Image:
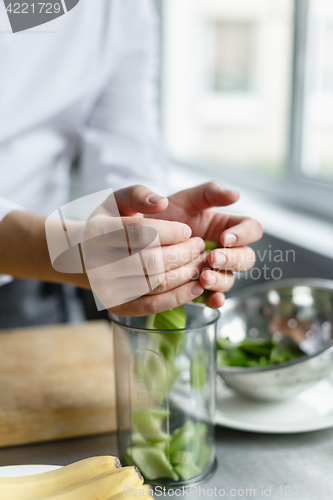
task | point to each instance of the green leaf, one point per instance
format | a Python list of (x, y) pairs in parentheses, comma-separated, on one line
[(256, 352)]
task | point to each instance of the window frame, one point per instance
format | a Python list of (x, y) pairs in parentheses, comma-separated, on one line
[(293, 188)]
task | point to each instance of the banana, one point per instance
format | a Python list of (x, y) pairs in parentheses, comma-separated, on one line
[(101, 487), (33, 487), (144, 491)]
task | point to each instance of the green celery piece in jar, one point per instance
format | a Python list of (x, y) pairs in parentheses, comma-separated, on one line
[(149, 428), (181, 457), (199, 446), (187, 471), (198, 376), (205, 456), (175, 319), (171, 339), (159, 414), (151, 461), (201, 431), (181, 437), (167, 344)]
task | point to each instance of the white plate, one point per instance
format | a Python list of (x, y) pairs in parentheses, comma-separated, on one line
[(311, 410), (26, 470)]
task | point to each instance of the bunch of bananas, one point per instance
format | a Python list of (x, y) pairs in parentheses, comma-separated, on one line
[(96, 478)]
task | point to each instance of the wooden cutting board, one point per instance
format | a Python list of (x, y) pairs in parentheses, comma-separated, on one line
[(56, 382)]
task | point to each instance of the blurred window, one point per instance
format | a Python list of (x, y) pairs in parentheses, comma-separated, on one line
[(248, 88), (232, 62), (328, 67), (228, 73), (317, 153)]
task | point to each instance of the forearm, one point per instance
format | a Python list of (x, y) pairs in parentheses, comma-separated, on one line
[(24, 252)]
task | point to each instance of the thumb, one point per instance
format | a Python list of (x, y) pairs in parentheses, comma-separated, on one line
[(211, 194), (139, 199)]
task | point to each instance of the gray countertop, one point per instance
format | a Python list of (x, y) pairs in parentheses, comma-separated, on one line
[(249, 464)]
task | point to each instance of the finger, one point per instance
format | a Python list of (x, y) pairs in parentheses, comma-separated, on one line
[(241, 231), (140, 232), (153, 304), (172, 256), (217, 281), (156, 259), (169, 233), (212, 194), (232, 259), (215, 300), (167, 281), (147, 262), (139, 199)]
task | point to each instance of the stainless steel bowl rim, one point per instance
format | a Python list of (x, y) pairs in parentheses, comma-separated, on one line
[(250, 291)]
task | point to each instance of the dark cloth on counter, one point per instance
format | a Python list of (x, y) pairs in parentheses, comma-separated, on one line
[(28, 303)]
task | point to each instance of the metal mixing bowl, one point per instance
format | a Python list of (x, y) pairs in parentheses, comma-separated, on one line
[(301, 309)]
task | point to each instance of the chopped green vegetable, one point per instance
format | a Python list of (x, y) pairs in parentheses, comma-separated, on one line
[(175, 319), (148, 427), (210, 246), (182, 437), (198, 373), (187, 471), (181, 457), (186, 455), (151, 461), (256, 352), (202, 298), (204, 456)]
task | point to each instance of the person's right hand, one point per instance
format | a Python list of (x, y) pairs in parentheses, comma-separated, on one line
[(139, 266)]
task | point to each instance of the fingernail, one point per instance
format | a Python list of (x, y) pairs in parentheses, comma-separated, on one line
[(197, 290), (187, 233), (220, 258), (230, 239), (154, 198), (202, 246), (211, 280)]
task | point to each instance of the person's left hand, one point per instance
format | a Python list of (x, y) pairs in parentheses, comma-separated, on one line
[(231, 233)]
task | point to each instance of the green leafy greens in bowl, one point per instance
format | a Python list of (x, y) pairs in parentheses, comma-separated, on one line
[(250, 353)]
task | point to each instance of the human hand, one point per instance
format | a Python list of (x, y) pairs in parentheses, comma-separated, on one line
[(232, 234), (140, 265)]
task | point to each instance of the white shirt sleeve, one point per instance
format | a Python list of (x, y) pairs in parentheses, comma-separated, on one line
[(121, 144), (7, 206)]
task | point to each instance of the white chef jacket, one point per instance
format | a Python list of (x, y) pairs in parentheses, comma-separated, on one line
[(83, 83)]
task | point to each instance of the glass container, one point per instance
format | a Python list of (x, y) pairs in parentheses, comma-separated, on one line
[(165, 390)]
